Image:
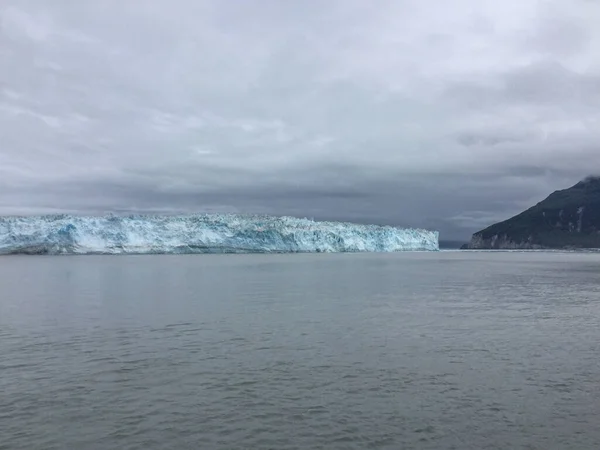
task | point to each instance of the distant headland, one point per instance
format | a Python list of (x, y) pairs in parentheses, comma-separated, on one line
[(566, 219)]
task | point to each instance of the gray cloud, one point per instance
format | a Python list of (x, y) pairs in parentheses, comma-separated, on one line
[(412, 113)]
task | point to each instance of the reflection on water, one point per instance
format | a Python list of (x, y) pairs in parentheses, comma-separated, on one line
[(427, 351)]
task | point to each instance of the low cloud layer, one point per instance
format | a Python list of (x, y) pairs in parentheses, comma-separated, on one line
[(409, 112)]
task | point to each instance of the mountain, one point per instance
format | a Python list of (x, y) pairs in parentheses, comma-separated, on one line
[(569, 218)]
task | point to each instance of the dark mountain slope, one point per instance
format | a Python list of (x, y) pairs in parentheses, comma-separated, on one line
[(569, 218)]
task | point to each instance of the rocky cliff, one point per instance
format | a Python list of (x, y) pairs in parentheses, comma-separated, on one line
[(569, 218)]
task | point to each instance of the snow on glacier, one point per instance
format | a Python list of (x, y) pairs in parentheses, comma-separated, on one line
[(201, 233)]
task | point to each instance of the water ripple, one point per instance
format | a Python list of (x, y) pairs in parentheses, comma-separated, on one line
[(321, 353)]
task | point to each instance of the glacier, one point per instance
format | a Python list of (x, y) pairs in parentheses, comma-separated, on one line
[(201, 233)]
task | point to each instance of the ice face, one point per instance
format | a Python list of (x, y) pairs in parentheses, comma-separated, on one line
[(201, 233)]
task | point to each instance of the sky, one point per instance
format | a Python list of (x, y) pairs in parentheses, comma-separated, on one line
[(419, 113)]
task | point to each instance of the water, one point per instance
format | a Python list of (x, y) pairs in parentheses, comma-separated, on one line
[(468, 350)]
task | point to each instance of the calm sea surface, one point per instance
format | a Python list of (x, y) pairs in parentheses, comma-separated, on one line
[(442, 350)]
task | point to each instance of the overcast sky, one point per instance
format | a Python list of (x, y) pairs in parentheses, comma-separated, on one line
[(441, 114)]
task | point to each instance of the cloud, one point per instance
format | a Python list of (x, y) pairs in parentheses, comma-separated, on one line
[(412, 112)]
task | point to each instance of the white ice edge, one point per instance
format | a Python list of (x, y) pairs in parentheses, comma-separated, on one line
[(202, 233)]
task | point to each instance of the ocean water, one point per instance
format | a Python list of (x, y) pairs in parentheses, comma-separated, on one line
[(448, 350)]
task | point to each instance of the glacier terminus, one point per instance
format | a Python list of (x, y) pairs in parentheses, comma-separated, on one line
[(201, 233)]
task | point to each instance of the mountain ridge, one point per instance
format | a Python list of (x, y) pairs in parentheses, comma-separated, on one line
[(566, 219)]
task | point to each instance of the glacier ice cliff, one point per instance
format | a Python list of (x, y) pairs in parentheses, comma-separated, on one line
[(201, 233)]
